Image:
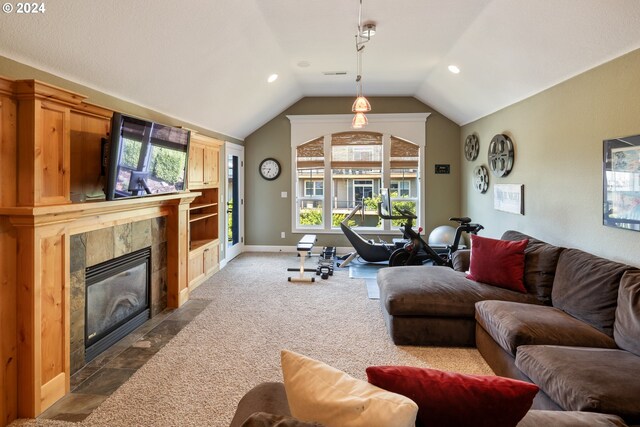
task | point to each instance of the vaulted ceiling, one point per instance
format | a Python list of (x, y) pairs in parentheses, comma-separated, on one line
[(207, 62)]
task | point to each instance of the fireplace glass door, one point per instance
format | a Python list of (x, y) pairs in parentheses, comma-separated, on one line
[(117, 300)]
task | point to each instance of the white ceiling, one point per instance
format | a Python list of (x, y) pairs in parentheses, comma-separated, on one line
[(207, 62)]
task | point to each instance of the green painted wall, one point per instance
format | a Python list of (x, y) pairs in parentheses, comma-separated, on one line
[(15, 70), (267, 214), (558, 138)]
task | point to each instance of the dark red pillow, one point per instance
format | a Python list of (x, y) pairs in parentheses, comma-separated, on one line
[(498, 262), (450, 399)]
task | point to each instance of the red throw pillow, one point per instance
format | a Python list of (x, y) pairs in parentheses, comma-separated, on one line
[(498, 262), (457, 400)]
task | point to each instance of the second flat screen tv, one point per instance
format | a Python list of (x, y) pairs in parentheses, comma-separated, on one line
[(146, 158)]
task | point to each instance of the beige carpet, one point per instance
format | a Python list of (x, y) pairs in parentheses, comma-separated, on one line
[(198, 378)]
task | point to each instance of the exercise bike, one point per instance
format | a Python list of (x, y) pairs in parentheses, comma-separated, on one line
[(416, 251)]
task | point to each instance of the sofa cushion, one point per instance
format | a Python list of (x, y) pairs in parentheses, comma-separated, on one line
[(265, 419), (436, 291), (586, 287), (498, 262), (461, 259), (536, 418), (626, 329), (451, 399), (540, 261), (316, 392), (585, 379), (513, 324)]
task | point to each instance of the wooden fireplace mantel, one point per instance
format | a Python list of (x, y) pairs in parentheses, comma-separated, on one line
[(39, 169)]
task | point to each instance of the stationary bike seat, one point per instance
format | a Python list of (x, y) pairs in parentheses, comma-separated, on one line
[(462, 220)]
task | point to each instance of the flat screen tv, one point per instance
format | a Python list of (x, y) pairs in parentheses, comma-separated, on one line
[(145, 158)]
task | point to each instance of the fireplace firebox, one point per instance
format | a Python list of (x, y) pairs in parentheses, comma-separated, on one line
[(117, 300)]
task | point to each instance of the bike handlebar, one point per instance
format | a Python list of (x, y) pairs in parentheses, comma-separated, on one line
[(404, 214)]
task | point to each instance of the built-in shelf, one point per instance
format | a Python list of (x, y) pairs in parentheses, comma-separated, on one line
[(195, 206), (197, 217), (197, 244), (204, 215)]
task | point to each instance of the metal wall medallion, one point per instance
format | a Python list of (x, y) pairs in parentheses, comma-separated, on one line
[(471, 147), (501, 155), (481, 179)]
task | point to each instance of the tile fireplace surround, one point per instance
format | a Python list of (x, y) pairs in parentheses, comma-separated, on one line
[(45, 252), (93, 247)]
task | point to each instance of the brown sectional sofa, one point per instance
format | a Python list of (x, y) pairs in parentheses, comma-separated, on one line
[(573, 334)]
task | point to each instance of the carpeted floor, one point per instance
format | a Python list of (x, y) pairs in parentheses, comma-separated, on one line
[(200, 375)]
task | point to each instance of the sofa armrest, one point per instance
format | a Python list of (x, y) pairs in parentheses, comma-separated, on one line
[(267, 397), (461, 260)]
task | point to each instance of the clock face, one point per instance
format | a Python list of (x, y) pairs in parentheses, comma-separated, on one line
[(270, 169)]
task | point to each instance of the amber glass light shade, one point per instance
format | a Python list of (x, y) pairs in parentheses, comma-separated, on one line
[(359, 120), (361, 105)]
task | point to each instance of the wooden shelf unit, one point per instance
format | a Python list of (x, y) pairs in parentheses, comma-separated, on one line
[(203, 217), (50, 144), (204, 211)]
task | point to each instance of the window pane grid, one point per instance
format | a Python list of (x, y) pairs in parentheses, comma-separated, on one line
[(355, 177)]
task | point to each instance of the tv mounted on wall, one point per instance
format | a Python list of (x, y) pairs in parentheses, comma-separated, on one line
[(146, 158)]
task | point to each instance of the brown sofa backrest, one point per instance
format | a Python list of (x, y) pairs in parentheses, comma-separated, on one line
[(586, 287), (626, 329), (540, 264)]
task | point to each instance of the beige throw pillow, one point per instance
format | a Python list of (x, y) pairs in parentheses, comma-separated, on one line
[(317, 392)]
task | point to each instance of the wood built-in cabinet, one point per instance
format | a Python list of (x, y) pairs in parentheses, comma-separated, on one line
[(50, 145), (204, 211), (204, 159)]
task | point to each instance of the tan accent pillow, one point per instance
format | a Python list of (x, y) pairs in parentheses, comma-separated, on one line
[(317, 392)]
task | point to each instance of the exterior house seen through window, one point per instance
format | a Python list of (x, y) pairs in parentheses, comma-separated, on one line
[(352, 167)]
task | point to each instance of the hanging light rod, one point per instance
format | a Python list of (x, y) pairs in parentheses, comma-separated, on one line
[(361, 105)]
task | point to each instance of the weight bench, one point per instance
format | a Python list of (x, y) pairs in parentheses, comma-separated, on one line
[(304, 248)]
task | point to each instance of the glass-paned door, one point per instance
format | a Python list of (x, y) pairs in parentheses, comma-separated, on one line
[(234, 200)]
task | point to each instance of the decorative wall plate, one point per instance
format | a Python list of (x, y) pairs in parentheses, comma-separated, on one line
[(471, 147), (481, 179), (501, 156)]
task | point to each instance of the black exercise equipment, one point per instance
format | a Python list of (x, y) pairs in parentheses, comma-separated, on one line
[(368, 250), (416, 251), (325, 263)]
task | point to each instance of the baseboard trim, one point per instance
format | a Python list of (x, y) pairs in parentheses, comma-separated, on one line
[(316, 249)]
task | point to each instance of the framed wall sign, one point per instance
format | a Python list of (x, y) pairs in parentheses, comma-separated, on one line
[(621, 182), (509, 198)]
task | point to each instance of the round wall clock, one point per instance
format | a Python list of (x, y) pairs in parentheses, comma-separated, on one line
[(269, 169)]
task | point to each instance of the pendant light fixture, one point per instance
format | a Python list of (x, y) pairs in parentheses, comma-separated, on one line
[(361, 105)]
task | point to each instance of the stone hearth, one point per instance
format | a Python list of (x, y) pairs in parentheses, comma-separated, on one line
[(91, 248)]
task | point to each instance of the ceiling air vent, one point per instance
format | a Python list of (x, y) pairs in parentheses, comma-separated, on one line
[(334, 73)]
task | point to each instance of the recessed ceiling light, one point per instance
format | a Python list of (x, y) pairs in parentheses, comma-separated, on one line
[(303, 64), (454, 69), (272, 78)]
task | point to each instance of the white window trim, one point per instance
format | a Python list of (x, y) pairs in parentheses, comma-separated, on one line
[(304, 128)]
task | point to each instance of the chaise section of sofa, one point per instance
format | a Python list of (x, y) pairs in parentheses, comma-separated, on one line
[(427, 305)]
